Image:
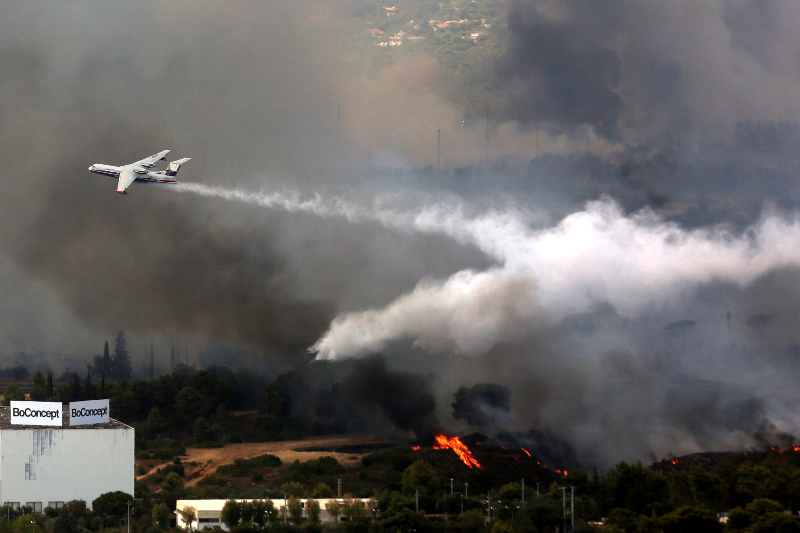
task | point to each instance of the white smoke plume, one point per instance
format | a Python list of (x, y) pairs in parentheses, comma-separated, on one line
[(635, 263)]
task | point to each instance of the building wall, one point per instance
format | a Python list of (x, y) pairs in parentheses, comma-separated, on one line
[(60, 465), (208, 511)]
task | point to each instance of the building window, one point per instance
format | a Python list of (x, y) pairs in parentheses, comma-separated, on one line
[(209, 520), (36, 507), (55, 505), (14, 505)]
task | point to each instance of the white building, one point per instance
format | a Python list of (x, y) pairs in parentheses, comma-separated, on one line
[(43, 466), (207, 512)]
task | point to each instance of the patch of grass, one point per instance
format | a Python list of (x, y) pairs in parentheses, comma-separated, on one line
[(241, 467)]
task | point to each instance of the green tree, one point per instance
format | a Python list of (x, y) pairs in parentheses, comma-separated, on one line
[(161, 515), (757, 481), (172, 482), (334, 509), (112, 504), (49, 387), (121, 362), (295, 507), (12, 392), (322, 491), (312, 510), (634, 487), (776, 523), (510, 491), (406, 520), (189, 515), (293, 488), (542, 513), (231, 513), (89, 391), (691, 520), (189, 404), (76, 394), (203, 431), (420, 476), (259, 509), (624, 519), (502, 527), (353, 509), (66, 522), (39, 387), (26, 523), (102, 365), (246, 511), (156, 423)]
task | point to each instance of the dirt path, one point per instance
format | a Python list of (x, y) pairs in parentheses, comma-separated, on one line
[(208, 460)]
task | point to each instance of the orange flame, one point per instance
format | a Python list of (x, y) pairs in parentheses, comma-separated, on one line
[(455, 444), (415, 447), (526, 451)]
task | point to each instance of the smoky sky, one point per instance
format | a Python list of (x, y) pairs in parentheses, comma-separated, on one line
[(641, 173)]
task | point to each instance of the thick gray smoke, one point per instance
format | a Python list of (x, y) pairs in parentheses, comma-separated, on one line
[(642, 69), (624, 331)]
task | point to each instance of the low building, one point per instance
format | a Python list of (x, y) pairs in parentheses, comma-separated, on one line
[(43, 466), (208, 512)]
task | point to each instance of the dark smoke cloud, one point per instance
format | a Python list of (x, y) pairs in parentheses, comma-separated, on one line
[(641, 70), (404, 398), (563, 73), (483, 406)]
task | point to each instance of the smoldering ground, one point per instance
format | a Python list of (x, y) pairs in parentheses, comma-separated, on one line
[(566, 312)]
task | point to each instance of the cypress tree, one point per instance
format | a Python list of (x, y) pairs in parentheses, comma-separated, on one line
[(89, 391), (121, 363), (106, 367), (76, 388), (49, 385)]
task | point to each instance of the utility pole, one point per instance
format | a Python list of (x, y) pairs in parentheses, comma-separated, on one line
[(451, 485), (537, 489), (466, 490), (572, 510), (339, 489), (523, 490), (129, 519), (417, 500)]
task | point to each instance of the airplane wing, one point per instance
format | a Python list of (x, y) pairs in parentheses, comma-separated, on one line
[(151, 161), (126, 177)]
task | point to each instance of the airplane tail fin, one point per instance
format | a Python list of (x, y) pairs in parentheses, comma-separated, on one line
[(175, 166)]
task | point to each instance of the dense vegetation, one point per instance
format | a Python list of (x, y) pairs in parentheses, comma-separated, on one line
[(214, 406)]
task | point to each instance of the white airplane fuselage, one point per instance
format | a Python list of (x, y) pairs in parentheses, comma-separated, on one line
[(142, 175)]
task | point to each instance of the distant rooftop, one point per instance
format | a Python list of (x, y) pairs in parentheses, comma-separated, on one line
[(5, 422)]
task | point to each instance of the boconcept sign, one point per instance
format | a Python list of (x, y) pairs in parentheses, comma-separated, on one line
[(49, 413), (91, 412), (36, 413)]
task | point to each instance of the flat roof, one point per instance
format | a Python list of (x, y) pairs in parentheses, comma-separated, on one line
[(5, 422)]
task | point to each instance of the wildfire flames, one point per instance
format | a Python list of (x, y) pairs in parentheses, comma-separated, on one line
[(455, 444)]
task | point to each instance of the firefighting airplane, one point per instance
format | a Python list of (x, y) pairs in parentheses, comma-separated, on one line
[(141, 171)]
